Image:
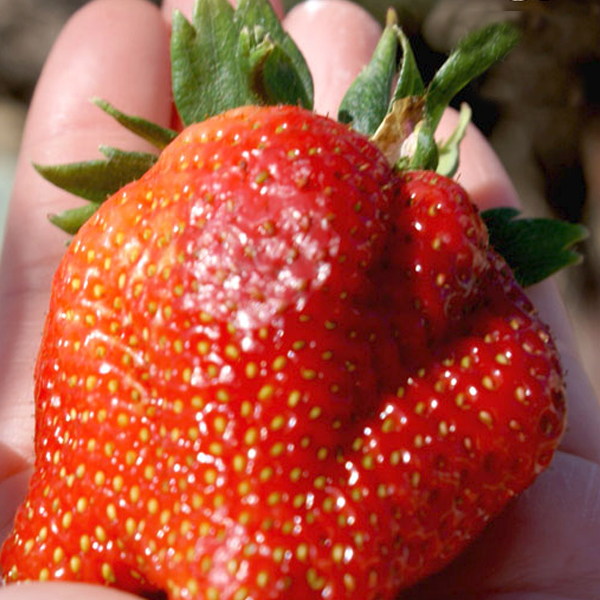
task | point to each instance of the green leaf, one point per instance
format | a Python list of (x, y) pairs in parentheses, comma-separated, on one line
[(450, 149), (138, 162), (410, 82), (96, 180), (155, 134), (71, 220), (367, 100), (533, 248), (259, 15), (274, 75), (208, 77), (474, 55)]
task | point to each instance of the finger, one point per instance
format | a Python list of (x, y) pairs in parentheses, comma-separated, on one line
[(64, 591), (337, 39), (186, 8), (486, 180), (115, 49)]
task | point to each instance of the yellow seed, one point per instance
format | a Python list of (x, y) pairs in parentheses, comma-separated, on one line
[(315, 412), (349, 582), (130, 526), (302, 552), (277, 423), (100, 533), (212, 593), (232, 351), (486, 418), (266, 392), (488, 383), (279, 363), (90, 382), (107, 573), (29, 544), (111, 512), (251, 370), (67, 520), (239, 463), (222, 395), (294, 398), (75, 564), (251, 436), (134, 493), (337, 553), (308, 374), (262, 579)]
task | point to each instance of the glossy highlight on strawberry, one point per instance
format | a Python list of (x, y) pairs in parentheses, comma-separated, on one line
[(275, 367)]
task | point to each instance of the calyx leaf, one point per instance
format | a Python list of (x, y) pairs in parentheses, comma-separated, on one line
[(533, 248), (151, 132), (227, 58), (96, 180), (366, 102)]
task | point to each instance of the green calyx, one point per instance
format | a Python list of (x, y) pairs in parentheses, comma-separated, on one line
[(225, 58), (402, 121)]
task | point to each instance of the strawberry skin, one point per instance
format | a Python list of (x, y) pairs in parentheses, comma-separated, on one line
[(275, 368)]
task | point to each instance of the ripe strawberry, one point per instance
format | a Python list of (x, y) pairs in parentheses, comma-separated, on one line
[(277, 367)]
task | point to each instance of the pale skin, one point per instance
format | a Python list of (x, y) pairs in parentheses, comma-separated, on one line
[(546, 546)]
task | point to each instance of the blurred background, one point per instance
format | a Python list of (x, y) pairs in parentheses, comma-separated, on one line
[(540, 108)]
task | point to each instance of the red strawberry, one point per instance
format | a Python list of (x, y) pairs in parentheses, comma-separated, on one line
[(229, 401), (276, 367)]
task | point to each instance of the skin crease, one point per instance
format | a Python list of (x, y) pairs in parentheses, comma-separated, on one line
[(544, 547)]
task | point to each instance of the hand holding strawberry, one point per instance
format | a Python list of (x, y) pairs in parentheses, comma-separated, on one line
[(591, 414)]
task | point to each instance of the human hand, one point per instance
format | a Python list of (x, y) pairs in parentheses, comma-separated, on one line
[(546, 543)]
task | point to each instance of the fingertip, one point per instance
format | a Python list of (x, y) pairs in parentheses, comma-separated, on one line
[(103, 45), (63, 590), (335, 53)]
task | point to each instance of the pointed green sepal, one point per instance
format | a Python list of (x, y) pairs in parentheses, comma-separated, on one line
[(225, 58), (71, 220), (207, 75), (253, 15), (155, 134), (96, 180), (474, 54), (274, 75), (137, 162), (367, 100), (450, 150), (533, 248), (410, 82)]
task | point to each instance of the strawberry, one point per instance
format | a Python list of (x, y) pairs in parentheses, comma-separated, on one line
[(276, 365)]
